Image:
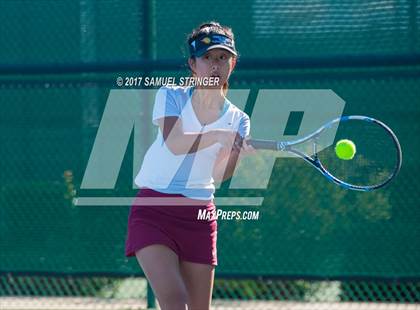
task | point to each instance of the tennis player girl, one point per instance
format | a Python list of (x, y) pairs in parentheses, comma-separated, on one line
[(199, 142)]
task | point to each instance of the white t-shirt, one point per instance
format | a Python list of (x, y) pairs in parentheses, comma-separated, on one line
[(186, 174)]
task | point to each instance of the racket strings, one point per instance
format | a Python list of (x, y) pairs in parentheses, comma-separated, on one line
[(375, 159)]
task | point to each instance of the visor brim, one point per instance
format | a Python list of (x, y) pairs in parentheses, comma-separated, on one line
[(212, 47)]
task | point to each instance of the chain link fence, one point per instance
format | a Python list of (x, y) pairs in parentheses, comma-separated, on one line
[(314, 245)]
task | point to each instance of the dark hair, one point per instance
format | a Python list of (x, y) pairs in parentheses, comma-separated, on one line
[(211, 27)]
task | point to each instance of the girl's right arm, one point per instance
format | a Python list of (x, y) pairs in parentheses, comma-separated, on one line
[(179, 142)]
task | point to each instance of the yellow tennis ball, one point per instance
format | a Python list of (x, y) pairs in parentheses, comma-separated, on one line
[(345, 149)]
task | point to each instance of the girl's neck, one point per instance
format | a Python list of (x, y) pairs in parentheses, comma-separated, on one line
[(208, 98)]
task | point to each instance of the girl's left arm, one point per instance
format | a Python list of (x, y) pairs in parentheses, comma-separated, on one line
[(227, 160)]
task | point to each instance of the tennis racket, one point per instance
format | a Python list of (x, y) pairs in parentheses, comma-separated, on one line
[(377, 160)]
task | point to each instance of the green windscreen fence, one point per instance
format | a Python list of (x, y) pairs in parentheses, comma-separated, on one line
[(59, 61)]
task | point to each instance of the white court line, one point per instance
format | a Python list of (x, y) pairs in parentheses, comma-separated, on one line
[(86, 303)]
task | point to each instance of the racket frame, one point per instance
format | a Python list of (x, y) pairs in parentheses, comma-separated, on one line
[(287, 146)]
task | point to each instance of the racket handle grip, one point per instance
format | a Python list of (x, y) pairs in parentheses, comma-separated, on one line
[(263, 144)]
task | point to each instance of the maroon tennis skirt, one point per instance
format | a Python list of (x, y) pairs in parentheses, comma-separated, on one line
[(172, 220)]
